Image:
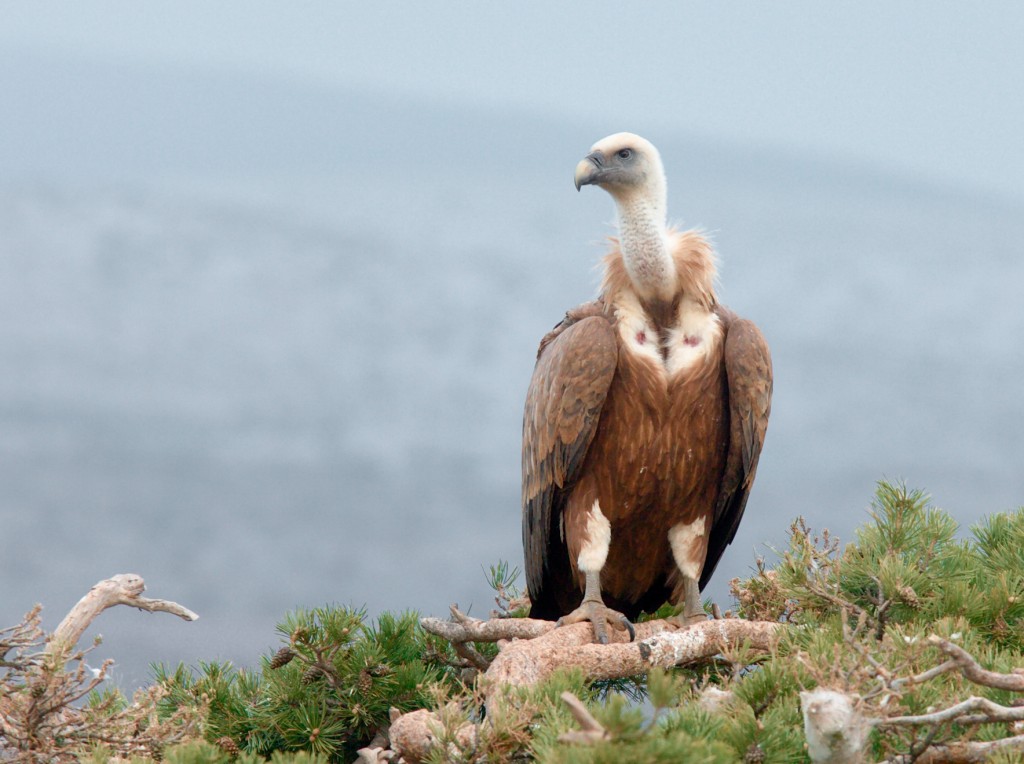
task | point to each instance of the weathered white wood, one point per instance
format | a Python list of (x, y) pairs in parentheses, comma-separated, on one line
[(659, 643), (532, 650), (122, 589), (835, 730)]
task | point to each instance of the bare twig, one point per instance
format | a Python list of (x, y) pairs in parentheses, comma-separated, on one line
[(122, 589), (961, 752), (920, 746), (973, 670), (474, 630), (592, 731), (469, 653), (974, 710), (19, 639), (883, 606), (925, 676)]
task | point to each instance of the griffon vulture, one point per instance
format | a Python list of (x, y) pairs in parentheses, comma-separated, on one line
[(644, 418)]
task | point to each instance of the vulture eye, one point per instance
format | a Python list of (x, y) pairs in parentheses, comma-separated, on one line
[(624, 153)]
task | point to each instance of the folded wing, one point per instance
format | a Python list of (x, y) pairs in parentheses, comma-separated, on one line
[(574, 370), (748, 368)]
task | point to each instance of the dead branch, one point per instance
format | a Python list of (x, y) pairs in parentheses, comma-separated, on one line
[(471, 655), (659, 643), (973, 671), (836, 723), (961, 752), (20, 639), (592, 731), (42, 719), (974, 710), (532, 650), (924, 676), (122, 589), (466, 629), (537, 649), (822, 741), (706, 639)]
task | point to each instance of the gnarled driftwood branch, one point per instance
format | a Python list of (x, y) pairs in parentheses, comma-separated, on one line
[(122, 589), (658, 643), (532, 650)]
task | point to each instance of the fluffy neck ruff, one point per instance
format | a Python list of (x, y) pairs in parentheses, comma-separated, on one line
[(693, 271)]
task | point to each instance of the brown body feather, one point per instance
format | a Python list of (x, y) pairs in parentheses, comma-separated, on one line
[(655, 449)]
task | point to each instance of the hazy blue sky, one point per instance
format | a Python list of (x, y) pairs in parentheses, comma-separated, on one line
[(254, 325), (929, 89)]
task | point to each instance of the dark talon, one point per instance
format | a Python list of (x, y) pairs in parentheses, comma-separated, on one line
[(629, 628)]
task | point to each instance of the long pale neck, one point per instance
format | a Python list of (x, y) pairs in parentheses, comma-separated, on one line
[(644, 246)]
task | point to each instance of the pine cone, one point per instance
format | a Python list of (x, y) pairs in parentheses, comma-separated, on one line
[(909, 596), (311, 674), (1000, 628), (365, 681), (228, 745), (282, 658), (754, 755)]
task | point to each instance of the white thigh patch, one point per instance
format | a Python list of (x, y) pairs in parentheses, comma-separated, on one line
[(688, 547), (599, 538)]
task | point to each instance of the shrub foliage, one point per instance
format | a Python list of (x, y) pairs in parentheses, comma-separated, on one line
[(860, 615)]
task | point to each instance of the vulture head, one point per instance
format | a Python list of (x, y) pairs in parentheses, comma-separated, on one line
[(624, 165)]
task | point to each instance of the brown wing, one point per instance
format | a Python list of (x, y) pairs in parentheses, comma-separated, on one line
[(570, 382), (748, 369)]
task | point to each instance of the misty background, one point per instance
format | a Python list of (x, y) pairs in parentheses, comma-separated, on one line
[(272, 279)]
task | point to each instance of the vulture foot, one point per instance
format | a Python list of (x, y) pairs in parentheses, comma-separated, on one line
[(685, 620), (601, 616), (693, 611)]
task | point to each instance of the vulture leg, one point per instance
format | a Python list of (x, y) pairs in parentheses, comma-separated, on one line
[(693, 609), (594, 610), (689, 545)]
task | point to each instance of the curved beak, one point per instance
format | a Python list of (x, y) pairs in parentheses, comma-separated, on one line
[(589, 170)]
